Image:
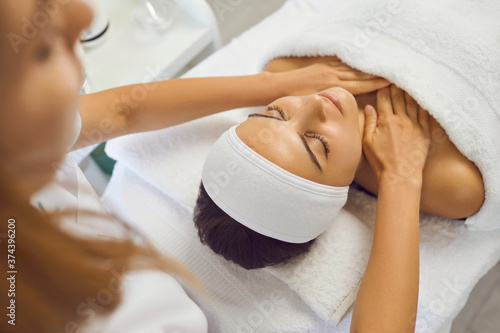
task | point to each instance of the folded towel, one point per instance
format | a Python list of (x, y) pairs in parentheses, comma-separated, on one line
[(445, 54), (332, 269)]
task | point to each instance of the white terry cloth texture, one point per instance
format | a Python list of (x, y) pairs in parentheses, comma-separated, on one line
[(445, 54), (234, 177), (155, 184)]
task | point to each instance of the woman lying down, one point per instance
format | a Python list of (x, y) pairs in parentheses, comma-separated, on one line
[(290, 167)]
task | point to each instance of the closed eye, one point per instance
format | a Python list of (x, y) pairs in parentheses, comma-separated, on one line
[(282, 114), (323, 141), (278, 109)]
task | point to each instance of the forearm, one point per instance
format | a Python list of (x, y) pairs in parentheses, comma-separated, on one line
[(172, 102), (388, 295), (147, 107), (156, 105)]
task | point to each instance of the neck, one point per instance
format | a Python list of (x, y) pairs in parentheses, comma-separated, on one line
[(363, 100), (361, 116)]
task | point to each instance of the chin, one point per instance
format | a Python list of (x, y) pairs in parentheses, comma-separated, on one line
[(346, 98), (42, 176)]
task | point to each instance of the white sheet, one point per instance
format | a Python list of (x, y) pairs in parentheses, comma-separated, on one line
[(452, 259)]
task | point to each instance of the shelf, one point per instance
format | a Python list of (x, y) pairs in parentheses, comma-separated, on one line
[(131, 53)]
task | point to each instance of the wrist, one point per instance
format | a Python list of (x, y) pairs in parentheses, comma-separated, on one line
[(395, 179), (279, 84)]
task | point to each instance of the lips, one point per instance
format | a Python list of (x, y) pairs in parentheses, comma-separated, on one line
[(334, 100)]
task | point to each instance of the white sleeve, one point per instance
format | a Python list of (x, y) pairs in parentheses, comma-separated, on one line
[(154, 302)]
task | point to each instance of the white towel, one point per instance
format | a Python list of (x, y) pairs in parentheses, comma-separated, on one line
[(328, 277), (444, 53), (167, 165)]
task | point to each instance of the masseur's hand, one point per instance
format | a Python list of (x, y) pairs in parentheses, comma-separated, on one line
[(396, 143), (320, 76), (396, 139)]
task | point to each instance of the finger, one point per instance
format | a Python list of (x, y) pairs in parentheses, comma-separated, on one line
[(341, 67), (371, 120), (334, 59), (398, 100), (338, 64), (363, 87), (351, 75), (411, 108), (424, 119), (384, 104)]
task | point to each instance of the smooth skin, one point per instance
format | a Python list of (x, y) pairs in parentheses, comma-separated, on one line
[(452, 185), (396, 143)]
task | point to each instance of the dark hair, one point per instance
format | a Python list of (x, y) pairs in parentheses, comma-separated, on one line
[(237, 243)]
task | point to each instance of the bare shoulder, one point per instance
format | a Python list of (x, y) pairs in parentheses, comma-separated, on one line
[(452, 185)]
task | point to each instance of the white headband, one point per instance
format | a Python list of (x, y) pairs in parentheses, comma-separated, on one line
[(266, 198)]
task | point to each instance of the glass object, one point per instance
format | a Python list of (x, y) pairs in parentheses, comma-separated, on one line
[(158, 14), (96, 32)]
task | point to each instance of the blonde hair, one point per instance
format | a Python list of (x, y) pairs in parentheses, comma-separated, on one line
[(57, 272)]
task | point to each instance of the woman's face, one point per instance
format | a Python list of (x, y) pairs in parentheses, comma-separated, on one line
[(316, 137), (39, 85)]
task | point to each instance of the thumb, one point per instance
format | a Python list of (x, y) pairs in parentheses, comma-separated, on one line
[(371, 118)]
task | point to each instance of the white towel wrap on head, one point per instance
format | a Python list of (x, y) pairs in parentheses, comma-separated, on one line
[(266, 198)]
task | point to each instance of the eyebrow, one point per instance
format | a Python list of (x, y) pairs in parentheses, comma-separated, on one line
[(302, 138), (263, 116)]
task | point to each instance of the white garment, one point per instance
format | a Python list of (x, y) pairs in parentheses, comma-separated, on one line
[(153, 302), (70, 191)]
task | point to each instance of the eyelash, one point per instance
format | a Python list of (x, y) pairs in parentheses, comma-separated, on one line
[(278, 109), (320, 137)]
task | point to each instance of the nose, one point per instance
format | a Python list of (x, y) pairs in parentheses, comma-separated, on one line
[(78, 16), (311, 111)]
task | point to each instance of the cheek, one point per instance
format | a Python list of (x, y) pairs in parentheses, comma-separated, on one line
[(41, 123), (346, 154), (350, 142), (52, 97)]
